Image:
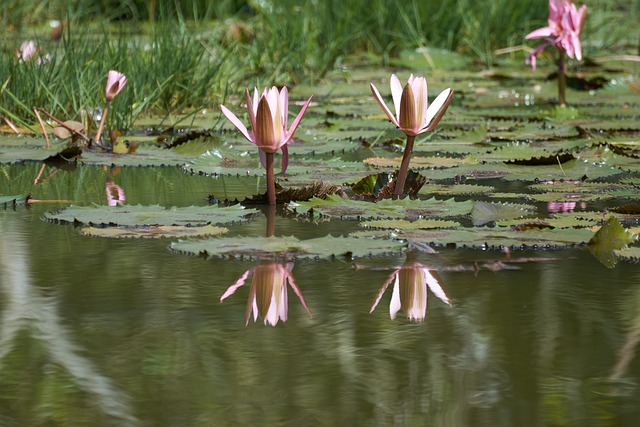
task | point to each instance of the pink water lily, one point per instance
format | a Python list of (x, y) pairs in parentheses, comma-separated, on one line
[(268, 294), (269, 115), (410, 284), (115, 83), (563, 30), (413, 115)]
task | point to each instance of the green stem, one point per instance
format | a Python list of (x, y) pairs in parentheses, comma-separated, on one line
[(271, 181), (562, 71), (404, 167), (102, 121)]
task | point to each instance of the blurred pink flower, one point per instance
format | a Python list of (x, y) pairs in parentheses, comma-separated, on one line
[(414, 115), (410, 291), (27, 50), (269, 116), (115, 83), (268, 293), (563, 30)]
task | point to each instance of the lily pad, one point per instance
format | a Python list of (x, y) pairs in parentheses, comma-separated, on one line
[(10, 201), (485, 212), (494, 238), (406, 208), (404, 225), (288, 247), (611, 236), (156, 215), (154, 232)]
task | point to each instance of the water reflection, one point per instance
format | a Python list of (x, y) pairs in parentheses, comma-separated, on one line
[(268, 293), (409, 294), (24, 308), (115, 193)]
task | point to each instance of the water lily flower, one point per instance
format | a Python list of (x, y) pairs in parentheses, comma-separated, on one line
[(115, 83), (27, 50), (563, 30), (410, 284), (268, 293), (268, 115), (413, 115)]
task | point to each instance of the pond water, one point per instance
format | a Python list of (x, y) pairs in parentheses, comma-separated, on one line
[(97, 331)]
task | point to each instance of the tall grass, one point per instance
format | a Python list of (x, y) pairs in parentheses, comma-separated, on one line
[(168, 71), (172, 69)]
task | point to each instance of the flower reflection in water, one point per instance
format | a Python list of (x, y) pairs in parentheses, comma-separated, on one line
[(115, 193), (268, 293), (410, 284)]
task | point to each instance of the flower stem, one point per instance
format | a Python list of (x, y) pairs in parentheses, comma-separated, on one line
[(271, 220), (102, 121), (562, 71), (271, 182), (404, 167)]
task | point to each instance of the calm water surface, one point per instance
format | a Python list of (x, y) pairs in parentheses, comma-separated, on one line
[(96, 331)]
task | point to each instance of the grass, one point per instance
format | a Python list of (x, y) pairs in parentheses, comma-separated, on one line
[(182, 55)]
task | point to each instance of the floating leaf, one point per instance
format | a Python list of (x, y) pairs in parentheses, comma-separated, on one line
[(11, 201), (628, 253), (289, 247), (456, 189), (406, 208), (493, 238), (485, 212), (404, 225), (168, 231), (138, 215), (611, 236)]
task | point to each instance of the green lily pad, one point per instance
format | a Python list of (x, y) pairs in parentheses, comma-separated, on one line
[(154, 232), (485, 212), (456, 189), (493, 238), (611, 236), (10, 201), (138, 215), (628, 254), (404, 225), (288, 247), (336, 207)]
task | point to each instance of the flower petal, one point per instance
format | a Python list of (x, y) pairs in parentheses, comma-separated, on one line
[(437, 108), (236, 285), (380, 101), (396, 93), (541, 33), (236, 122), (297, 120)]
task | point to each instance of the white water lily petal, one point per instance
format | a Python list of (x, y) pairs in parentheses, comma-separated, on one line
[(441, 101), (236, 122)]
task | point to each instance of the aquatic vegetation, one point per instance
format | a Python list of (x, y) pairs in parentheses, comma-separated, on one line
[(268, 293), (413, 116), (563, 32), (409, 294), (269, 116)]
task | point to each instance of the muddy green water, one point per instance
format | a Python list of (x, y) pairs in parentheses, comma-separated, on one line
[(97, 331)]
